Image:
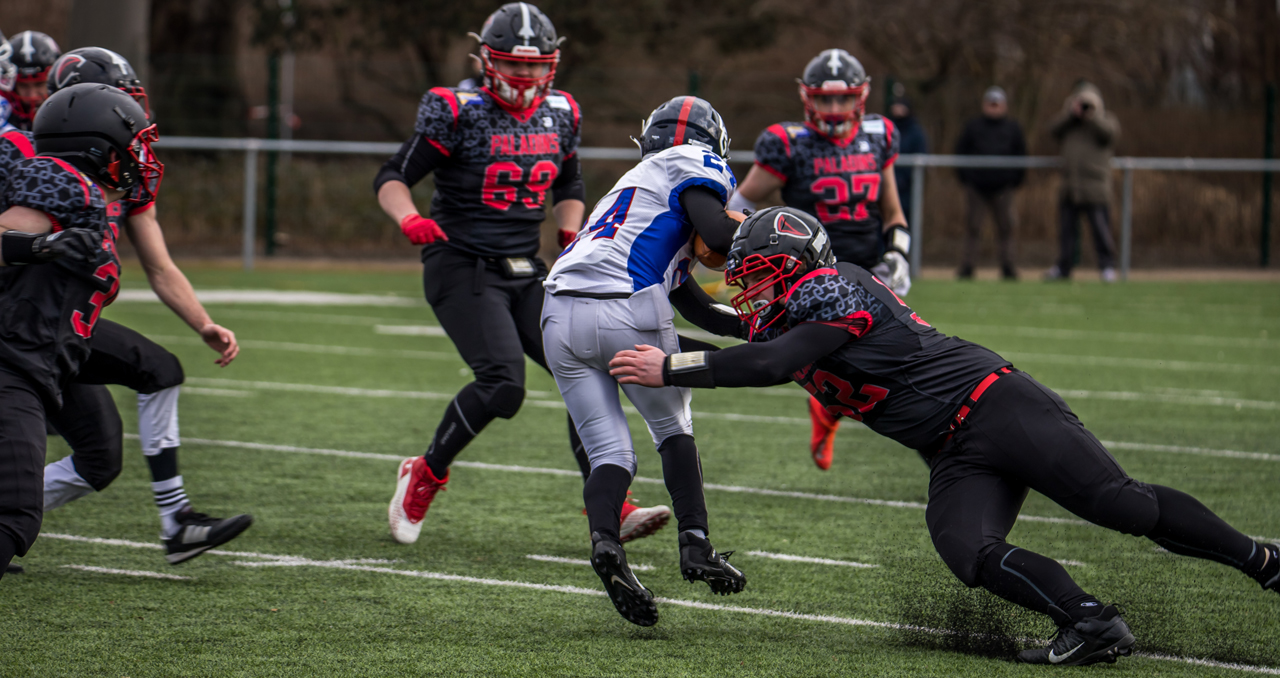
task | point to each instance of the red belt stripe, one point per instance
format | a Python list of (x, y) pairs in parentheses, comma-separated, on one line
[(973, 398)]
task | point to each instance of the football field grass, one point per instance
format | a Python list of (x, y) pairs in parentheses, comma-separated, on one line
[(305, 428)]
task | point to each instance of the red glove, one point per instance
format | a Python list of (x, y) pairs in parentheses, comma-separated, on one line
[(564, 236), (420, 230)]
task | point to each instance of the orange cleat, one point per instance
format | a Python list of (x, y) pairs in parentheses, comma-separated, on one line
[(823, 442)]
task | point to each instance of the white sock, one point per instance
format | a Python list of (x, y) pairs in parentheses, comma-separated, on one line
[(158, 420), (170, 499), (62, 485)]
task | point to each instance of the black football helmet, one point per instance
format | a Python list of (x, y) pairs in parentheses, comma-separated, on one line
[(103, 132), (33, 54), (835, 72), (771, 251), (684, 120), (8, 72), (518, 32), (100, 66)]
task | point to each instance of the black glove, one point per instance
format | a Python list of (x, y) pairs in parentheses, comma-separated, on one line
[(77, 245)]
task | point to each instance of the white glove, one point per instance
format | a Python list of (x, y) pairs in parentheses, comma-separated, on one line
[(897, 273)]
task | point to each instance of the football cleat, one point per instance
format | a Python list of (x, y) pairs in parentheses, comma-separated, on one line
[(13, 568), (823, 442), (630, 598), (1103, 638), (700, 562), (640, 521), (1271, 583), (198, 533), (416, 486)]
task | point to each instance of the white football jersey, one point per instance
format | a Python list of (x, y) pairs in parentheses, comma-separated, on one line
[(638, 235)]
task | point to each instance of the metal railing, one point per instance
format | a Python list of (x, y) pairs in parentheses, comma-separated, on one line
[(251, 147)]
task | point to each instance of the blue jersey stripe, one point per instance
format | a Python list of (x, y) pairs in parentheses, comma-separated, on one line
[(658, 243)]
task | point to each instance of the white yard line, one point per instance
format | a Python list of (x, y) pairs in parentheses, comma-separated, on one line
[(807, 559), (1138, 363), (1173, 398), (280, 297), (130, 573), (221, 392), (314, 348), (352, 565), (577, 561)]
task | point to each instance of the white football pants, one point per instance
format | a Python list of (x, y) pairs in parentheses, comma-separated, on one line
[(580, 337)]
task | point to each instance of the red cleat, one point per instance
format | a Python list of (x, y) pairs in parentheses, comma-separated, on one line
[(823, 442), (416, 486), (638, 521)]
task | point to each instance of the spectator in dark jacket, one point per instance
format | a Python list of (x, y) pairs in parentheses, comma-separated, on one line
[(991, 190), (1087, 134), (913, 140)]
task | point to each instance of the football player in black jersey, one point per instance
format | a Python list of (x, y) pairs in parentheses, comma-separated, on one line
[(91, 141), (33, 54), (987, 431), (838, 167), (88, 419), (496, 152)]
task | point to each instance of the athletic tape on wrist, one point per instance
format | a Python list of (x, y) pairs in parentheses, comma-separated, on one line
[(690, 370), (899, 240)]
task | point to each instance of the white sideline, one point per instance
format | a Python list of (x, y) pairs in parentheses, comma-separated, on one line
[(807, 559), (131, 573), (352, 565), (578, 561), (280, 297)]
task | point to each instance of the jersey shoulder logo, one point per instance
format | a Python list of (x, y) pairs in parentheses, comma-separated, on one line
[(875, 126), (558, 101), (469, 98)]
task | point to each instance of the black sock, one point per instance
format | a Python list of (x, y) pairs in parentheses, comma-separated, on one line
[(463, 419), (8, 549), (1035, 582), (1187, 528), (164, 465), (579, 450), (682, 472), (603, 494)]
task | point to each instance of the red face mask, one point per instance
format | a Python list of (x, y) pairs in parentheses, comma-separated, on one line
[(773, 272), (512, 92), (837, 125)]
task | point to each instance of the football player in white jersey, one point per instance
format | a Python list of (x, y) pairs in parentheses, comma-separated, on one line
[(613, 288)]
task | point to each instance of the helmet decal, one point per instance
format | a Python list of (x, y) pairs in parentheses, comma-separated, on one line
[(834, 62), (66, 70), (526, 30), (787, 225)]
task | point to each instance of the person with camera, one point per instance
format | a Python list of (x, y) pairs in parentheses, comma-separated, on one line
[(1086, 134)]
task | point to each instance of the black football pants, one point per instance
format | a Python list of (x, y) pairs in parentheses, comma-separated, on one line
[(89, 420), (22, 447), (1020, 435)]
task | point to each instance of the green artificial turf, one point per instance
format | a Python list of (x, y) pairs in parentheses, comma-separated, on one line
[(1195, 367)]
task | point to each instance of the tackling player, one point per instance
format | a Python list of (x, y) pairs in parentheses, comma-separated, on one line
[(838, 167), (88, 419), (33, 54), (87, 138), (496, 153), (987, 431), (609, 291)]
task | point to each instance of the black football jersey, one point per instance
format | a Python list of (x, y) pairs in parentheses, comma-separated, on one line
[(14, 146), (490, 198), (47, 311), (901, 377), (836, 181), (132, 203)]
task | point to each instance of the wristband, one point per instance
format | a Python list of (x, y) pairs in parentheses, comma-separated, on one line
[(898, 239), (18, 248), (689, 370)]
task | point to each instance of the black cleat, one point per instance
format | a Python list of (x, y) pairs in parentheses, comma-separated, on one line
[(13, 568), (1270, 578), (632, 600), (1103, 638), (199, 533), (700, 562)]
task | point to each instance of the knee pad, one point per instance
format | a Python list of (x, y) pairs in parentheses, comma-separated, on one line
[(962, 558), (162, 370), (504, 400), (1127, 506)]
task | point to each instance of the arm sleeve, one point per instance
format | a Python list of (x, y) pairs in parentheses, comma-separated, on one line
[(773, 362), (416, 159), (699, 308), (568, 184), (706, 213)]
